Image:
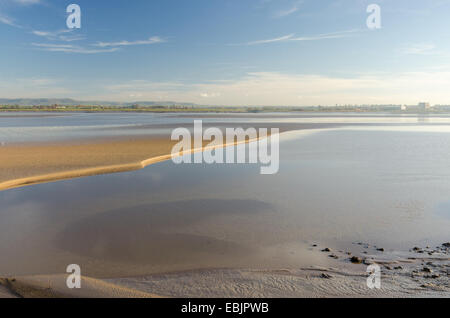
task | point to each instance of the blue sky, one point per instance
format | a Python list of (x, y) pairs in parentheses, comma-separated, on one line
[(227, 52)]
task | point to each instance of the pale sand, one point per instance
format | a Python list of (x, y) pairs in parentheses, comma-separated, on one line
[(24, 165)]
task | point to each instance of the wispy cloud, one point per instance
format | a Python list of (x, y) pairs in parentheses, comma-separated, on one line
[(279, 39), (8, 21), (288, 11), (27, 2), (61, 35), (291, 37), (419, 49), (67, 48), (101, 47), (333, 35), (151, 40)]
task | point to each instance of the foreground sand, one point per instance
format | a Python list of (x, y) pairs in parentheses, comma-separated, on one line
[(414, 273), (229, 283)]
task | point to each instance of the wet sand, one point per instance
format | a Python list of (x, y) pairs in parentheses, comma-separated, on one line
[(403, 274), (24, 165), (54, 286), (31, 163)]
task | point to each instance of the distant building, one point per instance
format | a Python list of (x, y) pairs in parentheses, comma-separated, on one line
[(424, 106)]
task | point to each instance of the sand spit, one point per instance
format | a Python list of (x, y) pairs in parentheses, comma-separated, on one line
[(107, 169), (54, 286)]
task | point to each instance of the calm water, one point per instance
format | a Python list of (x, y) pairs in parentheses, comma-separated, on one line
[(386, 186), (38, 127)]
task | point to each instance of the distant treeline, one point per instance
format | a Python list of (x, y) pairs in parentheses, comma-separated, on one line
[(137, 108), (213, 109)]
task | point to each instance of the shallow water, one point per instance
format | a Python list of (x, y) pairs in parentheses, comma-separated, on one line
[(387, 186), (45, 127)]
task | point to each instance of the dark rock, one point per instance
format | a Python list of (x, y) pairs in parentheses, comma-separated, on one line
[(356, 260), (327, 276), (398, 267), (426, 270), (326, 249), (333, 256), (380, 249), (446, 244)]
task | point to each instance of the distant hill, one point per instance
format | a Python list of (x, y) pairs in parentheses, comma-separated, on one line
[(73, 102)]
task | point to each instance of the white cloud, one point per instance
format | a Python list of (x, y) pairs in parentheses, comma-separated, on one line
[(8, 21), (210, 95), (279, 39), (60, 35), (151, 40), (102, 47), (256, 89), (333, 35), (284, 13), (67, 48), (27, 2), (266, 88), (290, 37), (419, 49), (289, 11)]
